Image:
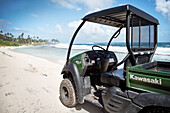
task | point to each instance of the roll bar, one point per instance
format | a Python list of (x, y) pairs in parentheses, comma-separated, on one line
[(72, 40), (132, 57), (127, 25), (115, 35)]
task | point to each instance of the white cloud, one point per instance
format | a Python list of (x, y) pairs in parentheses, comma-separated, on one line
[(65, 3), (163, 6), (5, 25), (59, 28), (17, 29), (8, 27), (78, 9), (94, 4), (34, 15), (44, 32), (20, 29), (90, 4), (92, 11), (40, 28), (3, 21), (47, 31), (74, 24), (92, 32)]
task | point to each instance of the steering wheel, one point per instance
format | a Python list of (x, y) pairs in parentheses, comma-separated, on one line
[(98, 52)]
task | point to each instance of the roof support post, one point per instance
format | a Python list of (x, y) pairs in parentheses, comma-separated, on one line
[(139, 32), (149, 35), (155, 41), (72, 40), (132, 32), (114, 36), (155, 36), (133, 61)]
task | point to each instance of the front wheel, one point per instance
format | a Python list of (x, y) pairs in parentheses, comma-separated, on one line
[(67, 93)]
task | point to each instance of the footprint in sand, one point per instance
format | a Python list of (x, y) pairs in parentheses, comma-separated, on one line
[(4, 75), (30, 68), (10, 106), (32, 91), (16, 78), (44, 75), (2, 67), (1, 85), (7, 83), (45, 89), (10, 93), (6, 54)]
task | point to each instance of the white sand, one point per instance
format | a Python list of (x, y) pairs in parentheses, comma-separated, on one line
[(30, 84)]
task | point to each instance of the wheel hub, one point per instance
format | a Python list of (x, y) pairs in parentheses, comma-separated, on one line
[(65, 93)]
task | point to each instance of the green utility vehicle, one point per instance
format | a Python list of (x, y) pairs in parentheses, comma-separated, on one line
[(140, 86)]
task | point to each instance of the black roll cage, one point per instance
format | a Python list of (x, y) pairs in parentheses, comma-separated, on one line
[(115, 35), (128, 10), (72, 40)]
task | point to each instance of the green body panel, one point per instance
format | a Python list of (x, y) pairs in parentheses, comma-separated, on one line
[(148, 80), (78, 61)]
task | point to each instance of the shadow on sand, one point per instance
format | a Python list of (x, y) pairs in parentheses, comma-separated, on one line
[(89, 107)]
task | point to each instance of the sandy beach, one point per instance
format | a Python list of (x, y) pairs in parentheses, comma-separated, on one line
[(30, 84)]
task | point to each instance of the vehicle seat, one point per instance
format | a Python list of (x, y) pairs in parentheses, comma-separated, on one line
[(115, 79), (140, 59)]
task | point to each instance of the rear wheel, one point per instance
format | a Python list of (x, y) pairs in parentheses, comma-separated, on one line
[(67, 93)]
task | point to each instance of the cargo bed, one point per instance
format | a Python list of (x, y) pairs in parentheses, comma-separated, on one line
[(150, 77)]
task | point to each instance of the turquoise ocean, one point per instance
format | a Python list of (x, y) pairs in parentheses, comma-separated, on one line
[(57, 52)]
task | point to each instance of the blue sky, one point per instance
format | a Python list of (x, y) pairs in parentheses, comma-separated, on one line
[(58, 19)]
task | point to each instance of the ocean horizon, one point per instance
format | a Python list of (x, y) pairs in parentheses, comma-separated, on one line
[(57, 52)]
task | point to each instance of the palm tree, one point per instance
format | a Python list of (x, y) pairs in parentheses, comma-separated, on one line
[(37, 39), (28, 36), (1, 31), (19, 39), (10, 34), (30, 39), (12, 37), (7, 33), (54, 40), (5, 36), (22, 35)]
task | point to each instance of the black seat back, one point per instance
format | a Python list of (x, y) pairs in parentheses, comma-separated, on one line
[(140, 59)]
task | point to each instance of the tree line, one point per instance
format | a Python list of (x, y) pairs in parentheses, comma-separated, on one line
[(7, 39)]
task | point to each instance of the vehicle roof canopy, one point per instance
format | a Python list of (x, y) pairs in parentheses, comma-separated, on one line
[(117, 16)]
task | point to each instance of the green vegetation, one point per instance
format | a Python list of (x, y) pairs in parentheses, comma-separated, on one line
[(8, 39)]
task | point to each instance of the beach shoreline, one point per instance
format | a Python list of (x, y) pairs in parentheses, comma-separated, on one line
[(30, 84)]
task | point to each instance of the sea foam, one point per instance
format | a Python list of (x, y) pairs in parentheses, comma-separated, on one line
[(116, 49)]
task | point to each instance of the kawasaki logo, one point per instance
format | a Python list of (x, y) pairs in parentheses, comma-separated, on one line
[(148, 80)]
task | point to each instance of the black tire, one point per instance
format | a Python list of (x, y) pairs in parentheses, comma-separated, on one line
[(67, 93)]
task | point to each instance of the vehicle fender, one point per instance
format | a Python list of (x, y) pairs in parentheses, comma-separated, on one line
[(152, 99), (72, 68)]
